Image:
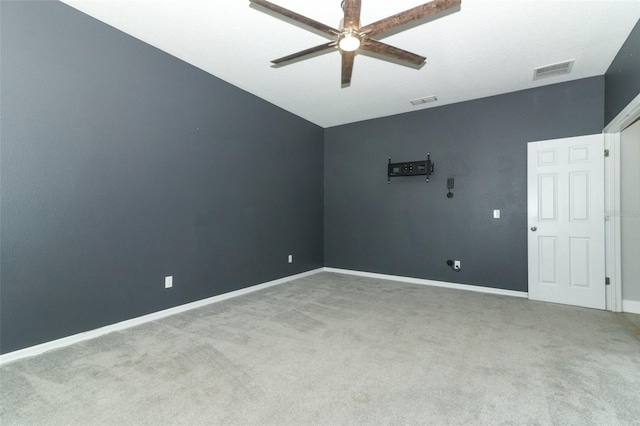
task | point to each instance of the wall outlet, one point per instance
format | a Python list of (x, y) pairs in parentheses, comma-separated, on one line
[(290, 258), (168, 282), (454, 264)]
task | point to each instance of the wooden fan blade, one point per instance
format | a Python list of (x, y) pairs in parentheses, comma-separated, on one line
[(378, 47), (297, 17), (352, 14), (304, 53), (415, 14), (347, 67)]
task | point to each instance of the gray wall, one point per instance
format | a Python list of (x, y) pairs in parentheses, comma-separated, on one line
[(121, 164), (622, 79), (410, 228)]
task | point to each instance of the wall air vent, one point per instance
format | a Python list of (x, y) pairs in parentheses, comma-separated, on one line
[(553, 70), (424, 100)]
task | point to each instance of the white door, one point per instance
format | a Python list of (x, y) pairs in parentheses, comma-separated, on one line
[(565, 197)]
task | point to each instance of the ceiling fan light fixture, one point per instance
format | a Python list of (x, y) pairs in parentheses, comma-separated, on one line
[(349, 42), (351, 36)]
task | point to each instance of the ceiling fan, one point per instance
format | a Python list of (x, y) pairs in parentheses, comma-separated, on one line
[(351, 37)]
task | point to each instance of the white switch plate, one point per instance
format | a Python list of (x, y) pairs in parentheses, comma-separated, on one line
[(168, 282), (456, 264), (290, 258), (496, 214)]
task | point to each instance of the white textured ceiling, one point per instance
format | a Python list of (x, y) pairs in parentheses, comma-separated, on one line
[(486, 48)]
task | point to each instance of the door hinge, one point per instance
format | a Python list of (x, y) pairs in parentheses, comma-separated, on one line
[(606, 152), (607, 281)]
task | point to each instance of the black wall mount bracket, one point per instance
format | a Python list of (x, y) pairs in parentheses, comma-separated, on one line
[(411, 168)]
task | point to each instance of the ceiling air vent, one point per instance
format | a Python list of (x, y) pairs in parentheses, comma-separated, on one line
[(424, 100), (553, 70)]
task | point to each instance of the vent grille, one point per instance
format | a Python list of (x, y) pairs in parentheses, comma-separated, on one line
[(426, 100), (553, 70)]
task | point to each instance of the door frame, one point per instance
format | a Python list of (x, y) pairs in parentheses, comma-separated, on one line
[(613, 263)]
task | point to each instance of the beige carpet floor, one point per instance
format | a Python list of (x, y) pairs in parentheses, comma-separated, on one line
[(333, 349)]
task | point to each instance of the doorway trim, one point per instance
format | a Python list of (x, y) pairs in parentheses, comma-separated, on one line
[(613, 263)]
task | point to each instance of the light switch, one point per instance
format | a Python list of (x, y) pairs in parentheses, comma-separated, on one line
[(496, 214)]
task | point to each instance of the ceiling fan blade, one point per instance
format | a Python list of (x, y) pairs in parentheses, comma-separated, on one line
[(352, 14), (347, 67), (391, 51), (415, 14), (304, 53), (297, 17)]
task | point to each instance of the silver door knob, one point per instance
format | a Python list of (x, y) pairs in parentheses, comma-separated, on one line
[(534, 229)]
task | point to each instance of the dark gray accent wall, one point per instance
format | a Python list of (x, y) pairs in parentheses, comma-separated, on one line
[(409, 227), (121, 164), (622, 79)]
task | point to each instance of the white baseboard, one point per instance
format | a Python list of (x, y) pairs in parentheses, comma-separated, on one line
[(420, 281), (92, 334), (631, 306)]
